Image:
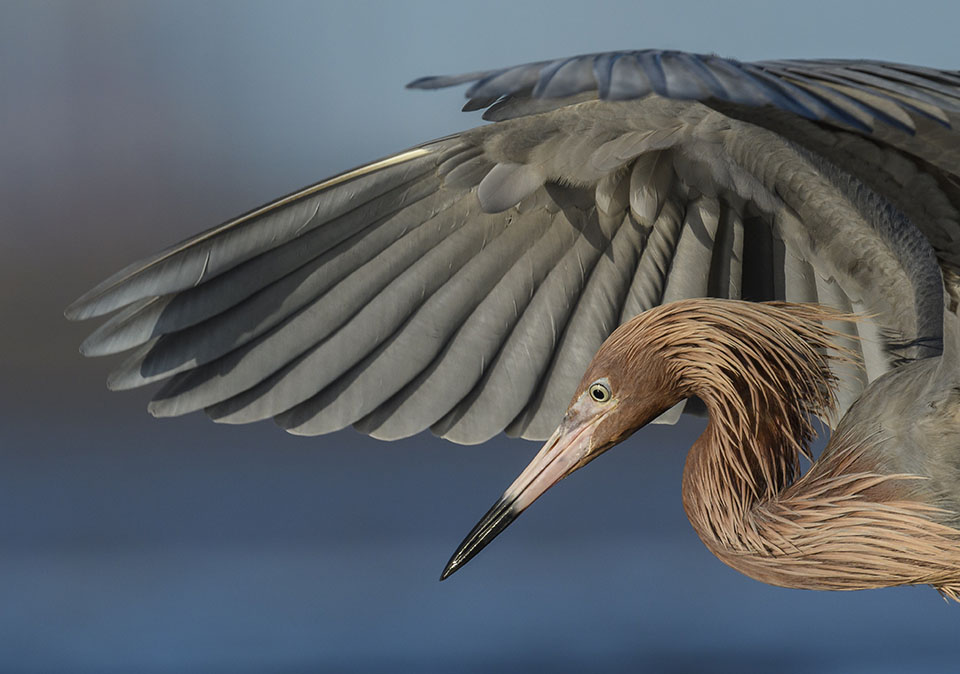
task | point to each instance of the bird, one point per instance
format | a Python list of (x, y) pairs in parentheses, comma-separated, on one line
[(760, 243), (879, 507)]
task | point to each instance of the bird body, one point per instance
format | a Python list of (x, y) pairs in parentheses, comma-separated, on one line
[(465, 286)]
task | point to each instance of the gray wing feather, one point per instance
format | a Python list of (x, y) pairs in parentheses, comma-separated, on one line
[(873, 347), (726, 265), (514, 79), (650, 182), (800, 280), (563, 78), (912, 98), (695, 250), (513, 377), (467, 174), (371, 382), (615, 153), (646, 288), (131, 326), (286, 269), (246, 366), (612, 195), (465, 284), (459, 368), (223, 332), (208, 254), (596, 315), (506, 185), (626, 80), (851, 377)]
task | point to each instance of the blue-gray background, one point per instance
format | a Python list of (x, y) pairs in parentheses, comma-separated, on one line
[(131, 544)]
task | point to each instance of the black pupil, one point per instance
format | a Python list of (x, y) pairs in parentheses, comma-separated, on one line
[(599, 394)]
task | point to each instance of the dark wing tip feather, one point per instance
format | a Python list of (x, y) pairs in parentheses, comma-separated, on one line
[(444, 81), (674, 74)]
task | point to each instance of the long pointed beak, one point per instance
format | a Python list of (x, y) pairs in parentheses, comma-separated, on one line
[(568, 449)]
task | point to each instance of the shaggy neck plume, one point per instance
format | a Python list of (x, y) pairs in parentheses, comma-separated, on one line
[(766, 375)]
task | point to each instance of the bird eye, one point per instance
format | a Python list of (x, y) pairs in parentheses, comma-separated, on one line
[(599, 392)]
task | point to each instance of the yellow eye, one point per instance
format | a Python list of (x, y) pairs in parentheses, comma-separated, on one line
[(599, 392)]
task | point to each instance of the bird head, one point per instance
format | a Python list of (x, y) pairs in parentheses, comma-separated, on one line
[(626, 386), (714, 349)]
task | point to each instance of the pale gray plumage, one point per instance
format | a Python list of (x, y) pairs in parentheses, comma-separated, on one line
[(464, 285)]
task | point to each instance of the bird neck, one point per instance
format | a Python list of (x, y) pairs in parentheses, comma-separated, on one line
[(763, 371), (848, 522), (730, 473), (766, 375)]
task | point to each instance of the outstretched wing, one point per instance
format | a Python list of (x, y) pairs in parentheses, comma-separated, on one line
[(464, 285)]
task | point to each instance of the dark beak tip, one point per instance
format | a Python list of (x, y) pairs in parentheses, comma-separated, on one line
[(494, 522), (454, 565)]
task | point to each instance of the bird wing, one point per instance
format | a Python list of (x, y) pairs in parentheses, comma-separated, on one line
[(464, 285)]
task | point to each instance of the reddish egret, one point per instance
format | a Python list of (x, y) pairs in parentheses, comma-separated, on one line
[(878, 508), (465, 285)]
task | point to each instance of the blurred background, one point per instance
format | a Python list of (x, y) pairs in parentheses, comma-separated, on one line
[(129, 544)]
